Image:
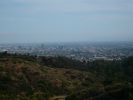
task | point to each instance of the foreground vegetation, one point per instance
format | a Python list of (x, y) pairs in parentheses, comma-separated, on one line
[(24, 77)]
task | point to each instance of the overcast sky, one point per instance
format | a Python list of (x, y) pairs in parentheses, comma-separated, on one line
[(26, 21)]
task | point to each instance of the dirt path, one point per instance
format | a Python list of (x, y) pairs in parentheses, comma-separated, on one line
[(58, 98)]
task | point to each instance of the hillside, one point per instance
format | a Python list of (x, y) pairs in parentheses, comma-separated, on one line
[(24, 77)]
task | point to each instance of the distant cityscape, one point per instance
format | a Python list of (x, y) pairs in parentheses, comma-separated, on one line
[(79, 51)]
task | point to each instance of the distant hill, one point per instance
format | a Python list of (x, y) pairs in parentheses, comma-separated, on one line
[(25, 77)]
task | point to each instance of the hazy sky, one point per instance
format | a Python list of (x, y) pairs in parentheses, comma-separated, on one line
[(65, 20)]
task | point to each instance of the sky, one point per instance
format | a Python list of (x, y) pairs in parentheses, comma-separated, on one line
[(35, 21)]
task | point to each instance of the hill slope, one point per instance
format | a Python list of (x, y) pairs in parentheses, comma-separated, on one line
[(24, 77)]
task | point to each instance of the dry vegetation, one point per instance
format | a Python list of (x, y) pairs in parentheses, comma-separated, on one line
[(25, 78)]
